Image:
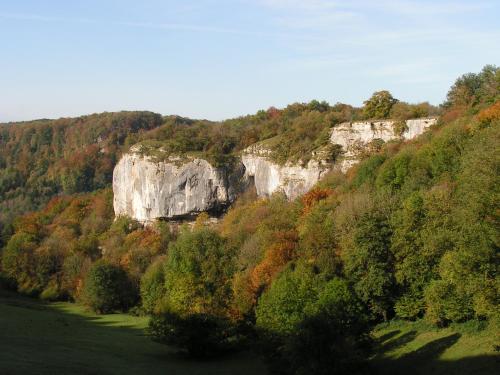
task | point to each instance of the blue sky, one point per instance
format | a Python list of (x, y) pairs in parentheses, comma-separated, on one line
[(217, 59)]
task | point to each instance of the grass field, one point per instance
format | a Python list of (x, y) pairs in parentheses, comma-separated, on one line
[(62, 338), (419, 348)]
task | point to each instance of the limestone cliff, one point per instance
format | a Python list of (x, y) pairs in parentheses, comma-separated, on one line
[(269, 177), (356, 136), (147, 189)]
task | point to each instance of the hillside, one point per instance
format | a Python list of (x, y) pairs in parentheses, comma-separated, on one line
[(44, 158), (407, 236)]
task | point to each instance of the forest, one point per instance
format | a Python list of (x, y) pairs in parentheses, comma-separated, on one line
[(410, 233)]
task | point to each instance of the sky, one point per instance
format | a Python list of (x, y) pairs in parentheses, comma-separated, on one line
[(218, 59)]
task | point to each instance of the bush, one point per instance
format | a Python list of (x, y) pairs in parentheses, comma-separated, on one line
[(18, 263), (50, 293), (445, 305), (409, 307), (152, 286), (107, 289), (199, 335), (393, 172), (310, 326), (324, 345), (367, 170)]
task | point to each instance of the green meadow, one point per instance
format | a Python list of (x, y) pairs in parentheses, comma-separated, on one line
[(63, 338), (419, 348)]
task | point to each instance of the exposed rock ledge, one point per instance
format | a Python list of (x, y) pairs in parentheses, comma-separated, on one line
[(293, 180), (354, 137), (146, 190)]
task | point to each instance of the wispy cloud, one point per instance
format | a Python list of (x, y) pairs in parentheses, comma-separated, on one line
[(428, 8), (405, 68), (43, 18), (150, 25), (333, 15), (301, 4), (412, 7), (280, 33)]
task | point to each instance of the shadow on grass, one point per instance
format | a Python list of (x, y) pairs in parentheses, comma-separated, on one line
[(388, 335), (61, 338), (426, 360), (399, 341)]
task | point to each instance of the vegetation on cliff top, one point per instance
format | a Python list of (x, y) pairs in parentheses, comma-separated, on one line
[(291, 134)]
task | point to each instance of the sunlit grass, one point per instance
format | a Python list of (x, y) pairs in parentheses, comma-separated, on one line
[(420, 348)]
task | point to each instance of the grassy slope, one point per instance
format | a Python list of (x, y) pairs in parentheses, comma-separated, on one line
[(417, 348), (62, 338)]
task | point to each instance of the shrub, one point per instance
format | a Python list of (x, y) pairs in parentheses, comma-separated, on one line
[(445, 305), (393, 172), (311, 326), (199, 335), (367, 170), (107, 288), (18, 262), (153, 286), (51, 293), (409, 306), (74, 268)]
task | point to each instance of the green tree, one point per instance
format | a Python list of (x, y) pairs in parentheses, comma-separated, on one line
[(472, 89), (379, 105), (107, 288), (198, 271), (312, 325), (468, 272), (289, 300), (18, 262), (194, 314), (199, 335), (153, 286), (369, 263)]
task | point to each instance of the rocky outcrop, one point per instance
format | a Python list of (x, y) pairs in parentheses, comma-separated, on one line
[(146, 189), (355, 137), (291, 179), (172, 188)]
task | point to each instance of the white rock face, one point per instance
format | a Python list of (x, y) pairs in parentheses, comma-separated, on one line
[(269, 177), (354, 137), (147, 190)]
